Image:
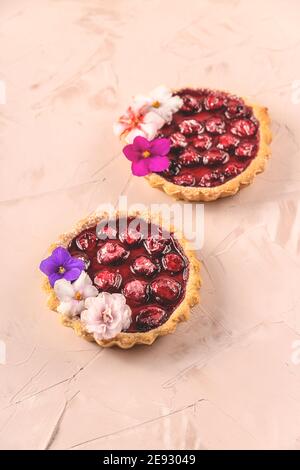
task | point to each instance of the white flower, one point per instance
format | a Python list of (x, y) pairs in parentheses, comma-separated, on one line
[(106, 315), (138, 121), (73, 296), (160, 101), (148, 114)]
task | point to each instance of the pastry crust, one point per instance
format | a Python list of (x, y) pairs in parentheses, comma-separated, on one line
[(127, 340), (232, 186)]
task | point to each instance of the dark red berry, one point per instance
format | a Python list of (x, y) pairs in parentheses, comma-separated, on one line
[(178, 141), (191, 104), (173, 263), (111, 253), (106, 232), (107, 281), (202, 142), (246, 150), (227, 142), (130, 236), (157, 244), (165, 290), (205, 181), (236, 108), (150, 317), (184, 180), (233, 170), (86, 241), (83, 256), (243, 127), (136, 291), (144, 266), (190, 127), (213, 179), (215, 157), (214, 101), (215, 125), (173, 170), (189, 158)]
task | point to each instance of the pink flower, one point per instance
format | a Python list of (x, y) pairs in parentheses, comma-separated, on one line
[(137, 121), (106, 315), (147, 156)]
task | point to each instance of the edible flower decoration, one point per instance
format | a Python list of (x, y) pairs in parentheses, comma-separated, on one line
[(147, 114), (161, 101), (138, 121), (72, 296), (61, 265), (106, 315), (147, 156)]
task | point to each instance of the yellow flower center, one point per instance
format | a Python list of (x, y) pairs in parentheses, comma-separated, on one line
[(107, 315), (146, 154), (155, 104), (78, 296), (61, 270)]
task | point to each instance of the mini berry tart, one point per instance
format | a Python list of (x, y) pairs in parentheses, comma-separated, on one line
[(122, 280), (195, 144)]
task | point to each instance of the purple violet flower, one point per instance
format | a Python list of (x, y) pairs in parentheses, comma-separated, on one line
[(147, 156), (61, 265)]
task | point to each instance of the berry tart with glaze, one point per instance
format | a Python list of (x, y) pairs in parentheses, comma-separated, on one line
[(217, 141), (122, 279)]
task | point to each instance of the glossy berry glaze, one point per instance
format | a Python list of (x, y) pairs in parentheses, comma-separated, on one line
[(214, 137), (150, 270)]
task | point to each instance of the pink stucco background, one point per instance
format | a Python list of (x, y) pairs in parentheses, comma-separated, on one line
[(230, 377)]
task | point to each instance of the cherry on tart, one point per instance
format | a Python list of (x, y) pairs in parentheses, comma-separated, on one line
[(190, 127), (150, 317), (189, 157), (136, 292), (219, 142), (130, 237), (173, 262), (86, 241), (191, 103), (107, 281), (154, 274), (144, 266), (157, 244), (165, 290), (111, 253), (178, 141), (202, 142), (105, 232)]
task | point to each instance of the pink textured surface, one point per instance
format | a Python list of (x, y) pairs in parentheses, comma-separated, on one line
[(225, 379)]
